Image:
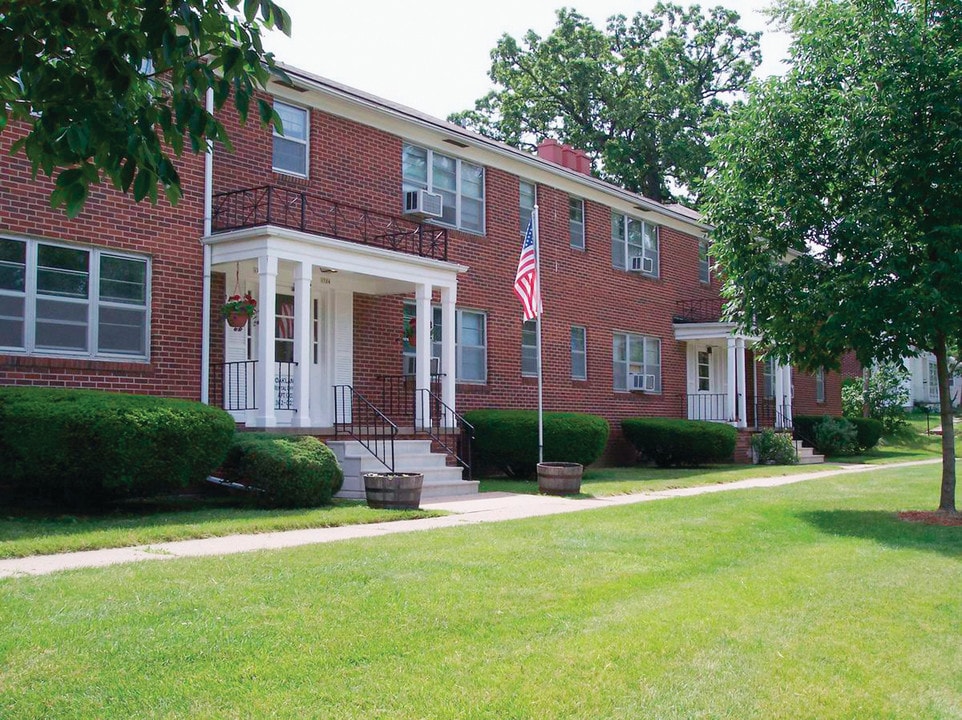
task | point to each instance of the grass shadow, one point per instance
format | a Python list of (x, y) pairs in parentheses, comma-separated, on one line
[(888, 529)]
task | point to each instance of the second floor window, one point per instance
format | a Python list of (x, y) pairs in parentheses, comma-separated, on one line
[(820, 385), (576, 222), (579, 353), (527, 200), (460, 185), (290, 141), (704, 261), (634, 245)]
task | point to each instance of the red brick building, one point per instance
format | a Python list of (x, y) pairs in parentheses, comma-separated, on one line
[(361, 217)]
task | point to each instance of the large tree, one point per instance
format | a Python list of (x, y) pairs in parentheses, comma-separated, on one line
[(837, 199), (110, 88), (640, 97)]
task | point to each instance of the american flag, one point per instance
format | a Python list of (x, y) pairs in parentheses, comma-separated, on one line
[(526, 280)]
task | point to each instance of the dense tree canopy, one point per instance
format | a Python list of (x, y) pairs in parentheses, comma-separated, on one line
[(640, 97), (837, 199), (110, 88)]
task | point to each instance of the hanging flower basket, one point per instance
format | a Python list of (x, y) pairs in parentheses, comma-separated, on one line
[(238, 310)]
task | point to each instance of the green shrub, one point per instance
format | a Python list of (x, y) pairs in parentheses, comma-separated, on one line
[(774, 448), (842, 436), (868, 431), (680, 442), (285, 470), (508, 439), (887, 395), (835, 436), (85, 447)]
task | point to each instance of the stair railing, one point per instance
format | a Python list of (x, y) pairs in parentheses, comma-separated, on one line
[(355, 416), (454, 437)]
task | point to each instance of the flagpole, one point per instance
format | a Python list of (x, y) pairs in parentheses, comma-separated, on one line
[(539, 310)]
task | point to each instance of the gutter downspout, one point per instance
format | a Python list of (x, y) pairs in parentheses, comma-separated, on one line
[(205, 293)]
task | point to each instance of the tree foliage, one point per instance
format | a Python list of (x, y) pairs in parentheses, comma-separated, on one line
[(640, 97), (837, 199), (111, 88)]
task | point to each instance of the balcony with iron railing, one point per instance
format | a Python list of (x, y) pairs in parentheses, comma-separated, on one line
[(296, 210), (698, 311)]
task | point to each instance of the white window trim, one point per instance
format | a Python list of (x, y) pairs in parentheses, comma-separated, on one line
[(93, 303), (521, 207), (534, 372), (623, 241), (584, 353), (583, 223), (458, 193), (704, 266), (820, 385), (459, 347), (306, 142), (627, 362)]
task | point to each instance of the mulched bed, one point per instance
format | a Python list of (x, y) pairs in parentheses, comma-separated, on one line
[(931, 518)]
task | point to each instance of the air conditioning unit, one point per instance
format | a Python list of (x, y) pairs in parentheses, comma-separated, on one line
[(638, 382), (423, 203), (641, 263)]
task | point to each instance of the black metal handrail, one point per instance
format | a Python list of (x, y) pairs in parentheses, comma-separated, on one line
[(707, 406), (454, 434), (233, 384), (397, 396), (271, 205), (698, 311), (355, 416)]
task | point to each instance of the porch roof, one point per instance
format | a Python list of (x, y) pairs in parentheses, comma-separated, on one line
[(685, 332), (382, 272)]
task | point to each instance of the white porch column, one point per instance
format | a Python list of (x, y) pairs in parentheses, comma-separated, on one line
[(449, 297), (302, 344), (264, 375), (787, 401), (779, 381), (730, 398), (422, 373), (742, 384)]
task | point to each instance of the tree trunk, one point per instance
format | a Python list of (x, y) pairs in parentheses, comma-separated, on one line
[(947, 499), (866, 379)]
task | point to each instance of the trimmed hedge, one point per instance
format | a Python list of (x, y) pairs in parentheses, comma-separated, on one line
[(87, 447), (287, 470), (508, 439), (670, 442), (869, 430)]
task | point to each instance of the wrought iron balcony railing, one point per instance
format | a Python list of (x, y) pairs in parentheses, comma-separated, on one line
[(283, 207), (698, 311)]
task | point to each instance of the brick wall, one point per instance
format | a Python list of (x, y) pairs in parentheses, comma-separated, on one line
[(170, 236)]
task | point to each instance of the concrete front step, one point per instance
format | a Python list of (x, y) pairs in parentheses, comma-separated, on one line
[(440, 479), (807, 455)]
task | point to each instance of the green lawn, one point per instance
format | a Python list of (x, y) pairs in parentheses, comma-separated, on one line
[(805, 601), (23, 534)]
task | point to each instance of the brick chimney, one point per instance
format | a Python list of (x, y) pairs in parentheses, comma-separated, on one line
[(564, 155)]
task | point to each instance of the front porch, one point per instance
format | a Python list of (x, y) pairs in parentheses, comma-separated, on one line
[(295, 366)]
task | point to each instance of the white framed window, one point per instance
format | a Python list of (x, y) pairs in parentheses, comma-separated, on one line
[(703, 361), (704, 261), (472, 347), (529, 347), (576, 222), (284, 328), (527, 195), (768, 377), (632, 238), (820, 385), (933, 380), (459, 183), (291, 141), (56, 299), (579, 353), (636, 356)]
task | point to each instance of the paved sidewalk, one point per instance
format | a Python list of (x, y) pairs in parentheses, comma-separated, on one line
[(486, 507)]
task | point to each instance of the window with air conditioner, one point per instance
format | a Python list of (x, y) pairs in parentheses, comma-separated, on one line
[(636, 363), (634, 245), (291, 140), (459, 183), (70, 301)]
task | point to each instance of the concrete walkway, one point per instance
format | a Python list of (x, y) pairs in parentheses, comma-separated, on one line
[(486, 507)]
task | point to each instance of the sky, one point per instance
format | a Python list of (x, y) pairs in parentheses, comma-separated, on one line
[(434, 55)]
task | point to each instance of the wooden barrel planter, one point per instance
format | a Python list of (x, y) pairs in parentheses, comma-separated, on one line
[(393, 491), (559, 478)]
